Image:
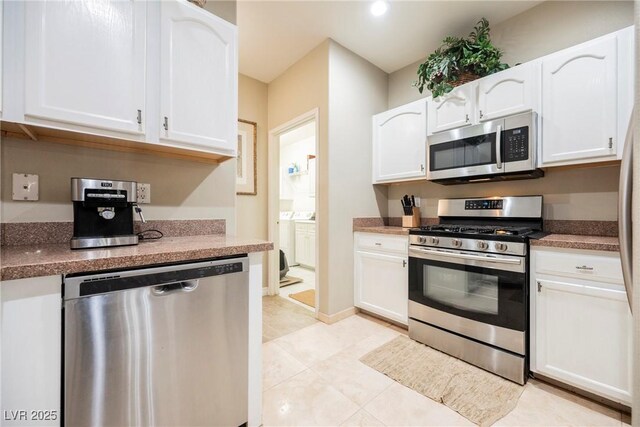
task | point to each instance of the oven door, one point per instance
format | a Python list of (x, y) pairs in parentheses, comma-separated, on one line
[(471, 151), (481, 296)]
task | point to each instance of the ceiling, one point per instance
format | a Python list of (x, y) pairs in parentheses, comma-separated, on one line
[(276, 34)]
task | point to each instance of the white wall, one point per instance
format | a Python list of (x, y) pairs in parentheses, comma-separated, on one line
[(295, 192), (180, 189), (553, 25)]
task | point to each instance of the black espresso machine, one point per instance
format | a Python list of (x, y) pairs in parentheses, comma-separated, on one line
[(103, 213)]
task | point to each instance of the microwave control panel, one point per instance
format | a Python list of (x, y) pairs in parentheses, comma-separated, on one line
[(516, 144)]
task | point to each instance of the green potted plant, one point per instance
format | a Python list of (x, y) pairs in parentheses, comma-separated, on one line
[(460, 60)]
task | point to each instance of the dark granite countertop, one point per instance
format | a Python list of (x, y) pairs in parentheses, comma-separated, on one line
[(22, 261), (573, 241)]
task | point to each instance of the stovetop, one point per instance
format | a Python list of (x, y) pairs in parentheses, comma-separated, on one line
[(496, 230)]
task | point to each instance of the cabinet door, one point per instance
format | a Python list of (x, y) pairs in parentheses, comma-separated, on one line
[(579, 98), (31, 348), (312, 248), (198, 78), (452, 110), (86, 63), (301, 248), (583, 337), (381, 285), (507, 92), (399, 143)]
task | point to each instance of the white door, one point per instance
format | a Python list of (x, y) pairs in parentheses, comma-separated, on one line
[(583, 337), (198, 79), (507, 92), (452, 110), (381, 285), (85, 63), (579, 87), (399, 143)]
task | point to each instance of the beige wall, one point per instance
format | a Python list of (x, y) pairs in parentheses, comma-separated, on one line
[(251, 211), (569, 194), (357, 90), (546, 28), (225, 9), (179, 189), (304, 87)]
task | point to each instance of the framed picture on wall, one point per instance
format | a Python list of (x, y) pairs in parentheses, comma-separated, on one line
[(246, 179)]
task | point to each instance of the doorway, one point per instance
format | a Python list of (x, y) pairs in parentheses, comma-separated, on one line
[(293, 264)]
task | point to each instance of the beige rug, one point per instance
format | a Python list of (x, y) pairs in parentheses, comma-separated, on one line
[(481, 397), (307, 297), (289, 280)]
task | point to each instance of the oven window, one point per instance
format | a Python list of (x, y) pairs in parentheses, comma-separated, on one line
[(473, 151), (466, 290)]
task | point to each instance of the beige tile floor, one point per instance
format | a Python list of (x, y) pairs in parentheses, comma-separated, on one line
[(312, 377), (281, 317)]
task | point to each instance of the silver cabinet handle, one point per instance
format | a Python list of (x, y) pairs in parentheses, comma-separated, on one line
[(466, 118), (539, 286), (378, 244), (499, 147), (610, 143), (422, 168), (165, 124), (404, 262), (584, 268), (139, 117), (624, 212), (481, 115)]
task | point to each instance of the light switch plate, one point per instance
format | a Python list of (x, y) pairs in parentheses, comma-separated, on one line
[(25, 187), (417, 202)]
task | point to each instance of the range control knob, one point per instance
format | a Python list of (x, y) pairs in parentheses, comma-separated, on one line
[(456, 243), (482, 245), (422, 239), (434, 240), (501, 247)]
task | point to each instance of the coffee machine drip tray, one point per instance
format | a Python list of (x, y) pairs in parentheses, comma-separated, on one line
[(102, 242), (103, 213)]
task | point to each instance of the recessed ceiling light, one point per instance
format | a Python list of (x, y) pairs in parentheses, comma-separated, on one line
[(379, 7)]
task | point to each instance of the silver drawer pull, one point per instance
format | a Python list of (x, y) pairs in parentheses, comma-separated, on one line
[(584, 268), (378, 244)]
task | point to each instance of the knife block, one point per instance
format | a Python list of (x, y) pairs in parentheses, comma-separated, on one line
[(413, 220)]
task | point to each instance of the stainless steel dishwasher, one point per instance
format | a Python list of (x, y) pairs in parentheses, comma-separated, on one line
[(160, 346)]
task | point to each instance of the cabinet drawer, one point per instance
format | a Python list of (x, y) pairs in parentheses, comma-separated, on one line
[(381, 242), (308, 227), (588, 265)]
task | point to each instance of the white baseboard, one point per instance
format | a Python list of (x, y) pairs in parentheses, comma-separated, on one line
[(333, 318)]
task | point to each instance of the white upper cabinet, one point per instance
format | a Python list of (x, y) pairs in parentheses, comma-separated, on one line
[(452, 110), (399, 143), (85, 63), (511, 91), (579, 103), (198, 79)]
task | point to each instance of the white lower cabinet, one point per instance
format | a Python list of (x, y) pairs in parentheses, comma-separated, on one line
[(305, 243), (381, 275), (581, 322), (31, 351)]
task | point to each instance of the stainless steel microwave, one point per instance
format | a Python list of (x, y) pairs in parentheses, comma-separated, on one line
[(497, 150)]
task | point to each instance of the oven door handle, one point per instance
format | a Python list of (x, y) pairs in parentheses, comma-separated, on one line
[(495, 260)]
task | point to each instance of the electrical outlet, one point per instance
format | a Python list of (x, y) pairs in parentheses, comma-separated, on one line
[(417, 202), (144, 193), (25, 187)]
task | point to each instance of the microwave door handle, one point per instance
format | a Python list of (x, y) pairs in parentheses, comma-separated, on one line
[(499, 147), (624, 212)]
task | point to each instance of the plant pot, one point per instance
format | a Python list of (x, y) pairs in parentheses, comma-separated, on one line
[(464, 77)]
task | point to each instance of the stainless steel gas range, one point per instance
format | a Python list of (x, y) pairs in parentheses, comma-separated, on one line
[(468, 282)]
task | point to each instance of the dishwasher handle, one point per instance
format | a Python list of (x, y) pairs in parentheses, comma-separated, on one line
[(170, 288)]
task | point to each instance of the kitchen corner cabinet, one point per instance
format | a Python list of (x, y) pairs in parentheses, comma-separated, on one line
[(581, 330), (305, 243), (453, 110), (508, 92), (31, 347), (85, 64), (399, 143), (198, 78), (585, 100), (381, 275)]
